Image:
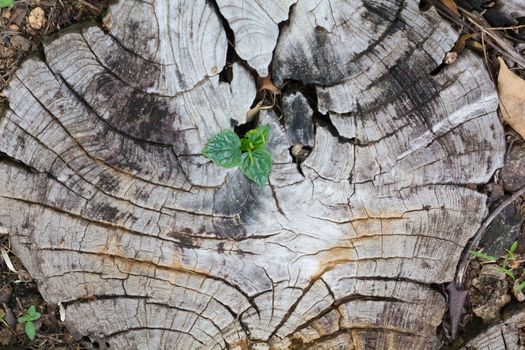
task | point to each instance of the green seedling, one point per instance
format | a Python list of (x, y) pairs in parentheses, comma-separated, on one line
[(30, 316), (520, 286), (504, 267), (250, 153), (6, 3)]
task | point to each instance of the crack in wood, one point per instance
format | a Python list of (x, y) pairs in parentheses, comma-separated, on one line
[(105, 189)]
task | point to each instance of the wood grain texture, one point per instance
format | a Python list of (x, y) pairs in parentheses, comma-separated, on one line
[(106, 194), (173, 45), (514, 8), (255, 27), (506, 334)]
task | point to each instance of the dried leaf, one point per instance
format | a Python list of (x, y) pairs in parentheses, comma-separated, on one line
[(62, 310), (451, 5), (7, 260), (476, 46), (266, 84), (460, 44), (511, 90), (19, 42), (250, 115)]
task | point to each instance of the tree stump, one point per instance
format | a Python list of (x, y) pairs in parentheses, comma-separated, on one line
[(117, 215), (506, 334)]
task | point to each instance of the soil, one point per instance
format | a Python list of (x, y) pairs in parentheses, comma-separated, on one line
[(23, 27)]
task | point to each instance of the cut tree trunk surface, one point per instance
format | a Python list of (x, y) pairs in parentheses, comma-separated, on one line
[(507, 334), (117, 215)]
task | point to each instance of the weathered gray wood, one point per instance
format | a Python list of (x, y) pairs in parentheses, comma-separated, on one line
[(174, 44), (298, 123), (255, 27), (504, 335), (513, 7), (105, 192)]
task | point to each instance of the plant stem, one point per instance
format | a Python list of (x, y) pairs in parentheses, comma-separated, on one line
[(464, 261)]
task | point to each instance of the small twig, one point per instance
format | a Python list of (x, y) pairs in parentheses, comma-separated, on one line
[(19, 304), (50, 337), (504, 47), (485, 56), (452, 16), (509, 28), (475, 24), (88, 5), (51, 13), (465, 258)]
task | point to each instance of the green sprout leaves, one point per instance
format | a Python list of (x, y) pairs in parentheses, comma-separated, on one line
[(30, 316), (250, 153), (504, 267), (480, 255), (6, 3), (256, 138), (224, 149), (256, 165), (520, 286), (511, 262)]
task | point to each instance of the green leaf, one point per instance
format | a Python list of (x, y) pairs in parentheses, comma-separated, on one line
[(258, 137), (6, 3), (257, 165), (224, 149), (481, 255), (32, 314), (23, 319), (506, 272), (510, 254), (512, 249), (30, 330), (246, 145), (35, 316), (520, 286)]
